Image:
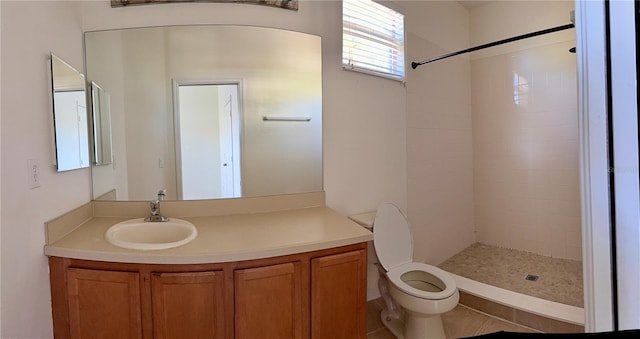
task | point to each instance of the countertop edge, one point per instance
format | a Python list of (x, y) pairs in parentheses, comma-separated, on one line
[(154, 257), (223, 239)]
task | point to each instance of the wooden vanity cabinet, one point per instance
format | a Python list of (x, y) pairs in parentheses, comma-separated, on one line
[(118, 297), (338, 298), (268, 301), (139, 300), (320, 294), (188, 305)]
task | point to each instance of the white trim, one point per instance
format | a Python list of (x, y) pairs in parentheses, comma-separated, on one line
[(176, 139), (378, 74), (592, 115), (625, 143), (545, 308)]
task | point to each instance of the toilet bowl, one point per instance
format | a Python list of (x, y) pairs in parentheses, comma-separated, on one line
[(422, 291)]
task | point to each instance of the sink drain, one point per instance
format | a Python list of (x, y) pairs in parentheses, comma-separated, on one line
[(531, 277)]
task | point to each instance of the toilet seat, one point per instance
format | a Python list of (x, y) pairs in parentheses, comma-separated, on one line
[(395, 277), (393, 242)]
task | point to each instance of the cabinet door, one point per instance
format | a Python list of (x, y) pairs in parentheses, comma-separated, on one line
[(188, 305), (104, 304), (268, 302), (339, 296)]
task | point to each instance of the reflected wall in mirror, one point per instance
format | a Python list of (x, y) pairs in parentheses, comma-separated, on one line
[(101, 109), (271, 72), (71, 136)]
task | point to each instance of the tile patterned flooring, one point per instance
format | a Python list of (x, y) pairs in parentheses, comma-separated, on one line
[(460, 322), (560, 280)]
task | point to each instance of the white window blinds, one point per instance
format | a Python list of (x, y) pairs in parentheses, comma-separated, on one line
[(372, 38)]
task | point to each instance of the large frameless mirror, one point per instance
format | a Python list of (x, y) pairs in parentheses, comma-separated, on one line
[(69, 116), (209, 111)]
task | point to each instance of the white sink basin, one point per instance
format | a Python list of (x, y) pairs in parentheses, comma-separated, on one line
[(138, 234)]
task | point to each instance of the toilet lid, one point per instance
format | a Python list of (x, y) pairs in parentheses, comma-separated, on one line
[(392, 237)]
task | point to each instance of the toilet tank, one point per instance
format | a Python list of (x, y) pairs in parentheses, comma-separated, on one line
[(364, 219)]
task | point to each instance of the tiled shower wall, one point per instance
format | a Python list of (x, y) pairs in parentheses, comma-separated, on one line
[(526, 148)]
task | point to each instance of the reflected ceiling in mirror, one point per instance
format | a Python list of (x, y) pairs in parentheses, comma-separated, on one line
[(209, 112)]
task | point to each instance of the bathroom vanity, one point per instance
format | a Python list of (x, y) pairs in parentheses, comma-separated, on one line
[(269, 272), (261, 266)]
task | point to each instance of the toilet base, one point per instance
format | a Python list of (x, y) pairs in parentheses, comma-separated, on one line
[(421, 327), (394, 325), (414, 327)]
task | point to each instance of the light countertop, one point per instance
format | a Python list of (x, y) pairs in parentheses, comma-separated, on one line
[(223, 238)]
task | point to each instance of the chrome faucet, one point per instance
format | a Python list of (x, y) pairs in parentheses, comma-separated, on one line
[(155, 209), (161, 194)]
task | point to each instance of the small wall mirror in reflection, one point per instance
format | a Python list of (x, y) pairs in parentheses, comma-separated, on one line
[(101, 108), (69, 116)]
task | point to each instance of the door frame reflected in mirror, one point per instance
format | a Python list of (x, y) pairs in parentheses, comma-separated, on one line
[(101, 121), (208, 123)]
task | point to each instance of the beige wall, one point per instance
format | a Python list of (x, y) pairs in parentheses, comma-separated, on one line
[(525, 138), (30, 31)]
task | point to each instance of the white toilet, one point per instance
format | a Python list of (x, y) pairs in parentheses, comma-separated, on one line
[(422, 291)]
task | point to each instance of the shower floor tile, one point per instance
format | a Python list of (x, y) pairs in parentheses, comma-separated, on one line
[(559, 280)]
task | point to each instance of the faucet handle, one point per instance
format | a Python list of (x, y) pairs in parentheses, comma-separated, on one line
[(155, 207)]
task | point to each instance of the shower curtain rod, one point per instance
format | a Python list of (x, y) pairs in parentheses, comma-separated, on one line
[(414, 65)]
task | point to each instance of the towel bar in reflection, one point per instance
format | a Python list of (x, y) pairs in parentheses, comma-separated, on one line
[(275, 118)]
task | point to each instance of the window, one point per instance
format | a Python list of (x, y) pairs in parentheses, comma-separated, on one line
[(372, 39), (520, 89)]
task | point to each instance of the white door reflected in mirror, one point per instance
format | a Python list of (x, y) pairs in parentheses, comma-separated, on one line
[(208, 140)]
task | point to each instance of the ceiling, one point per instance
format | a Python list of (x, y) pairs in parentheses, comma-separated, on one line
[(469, 4)]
